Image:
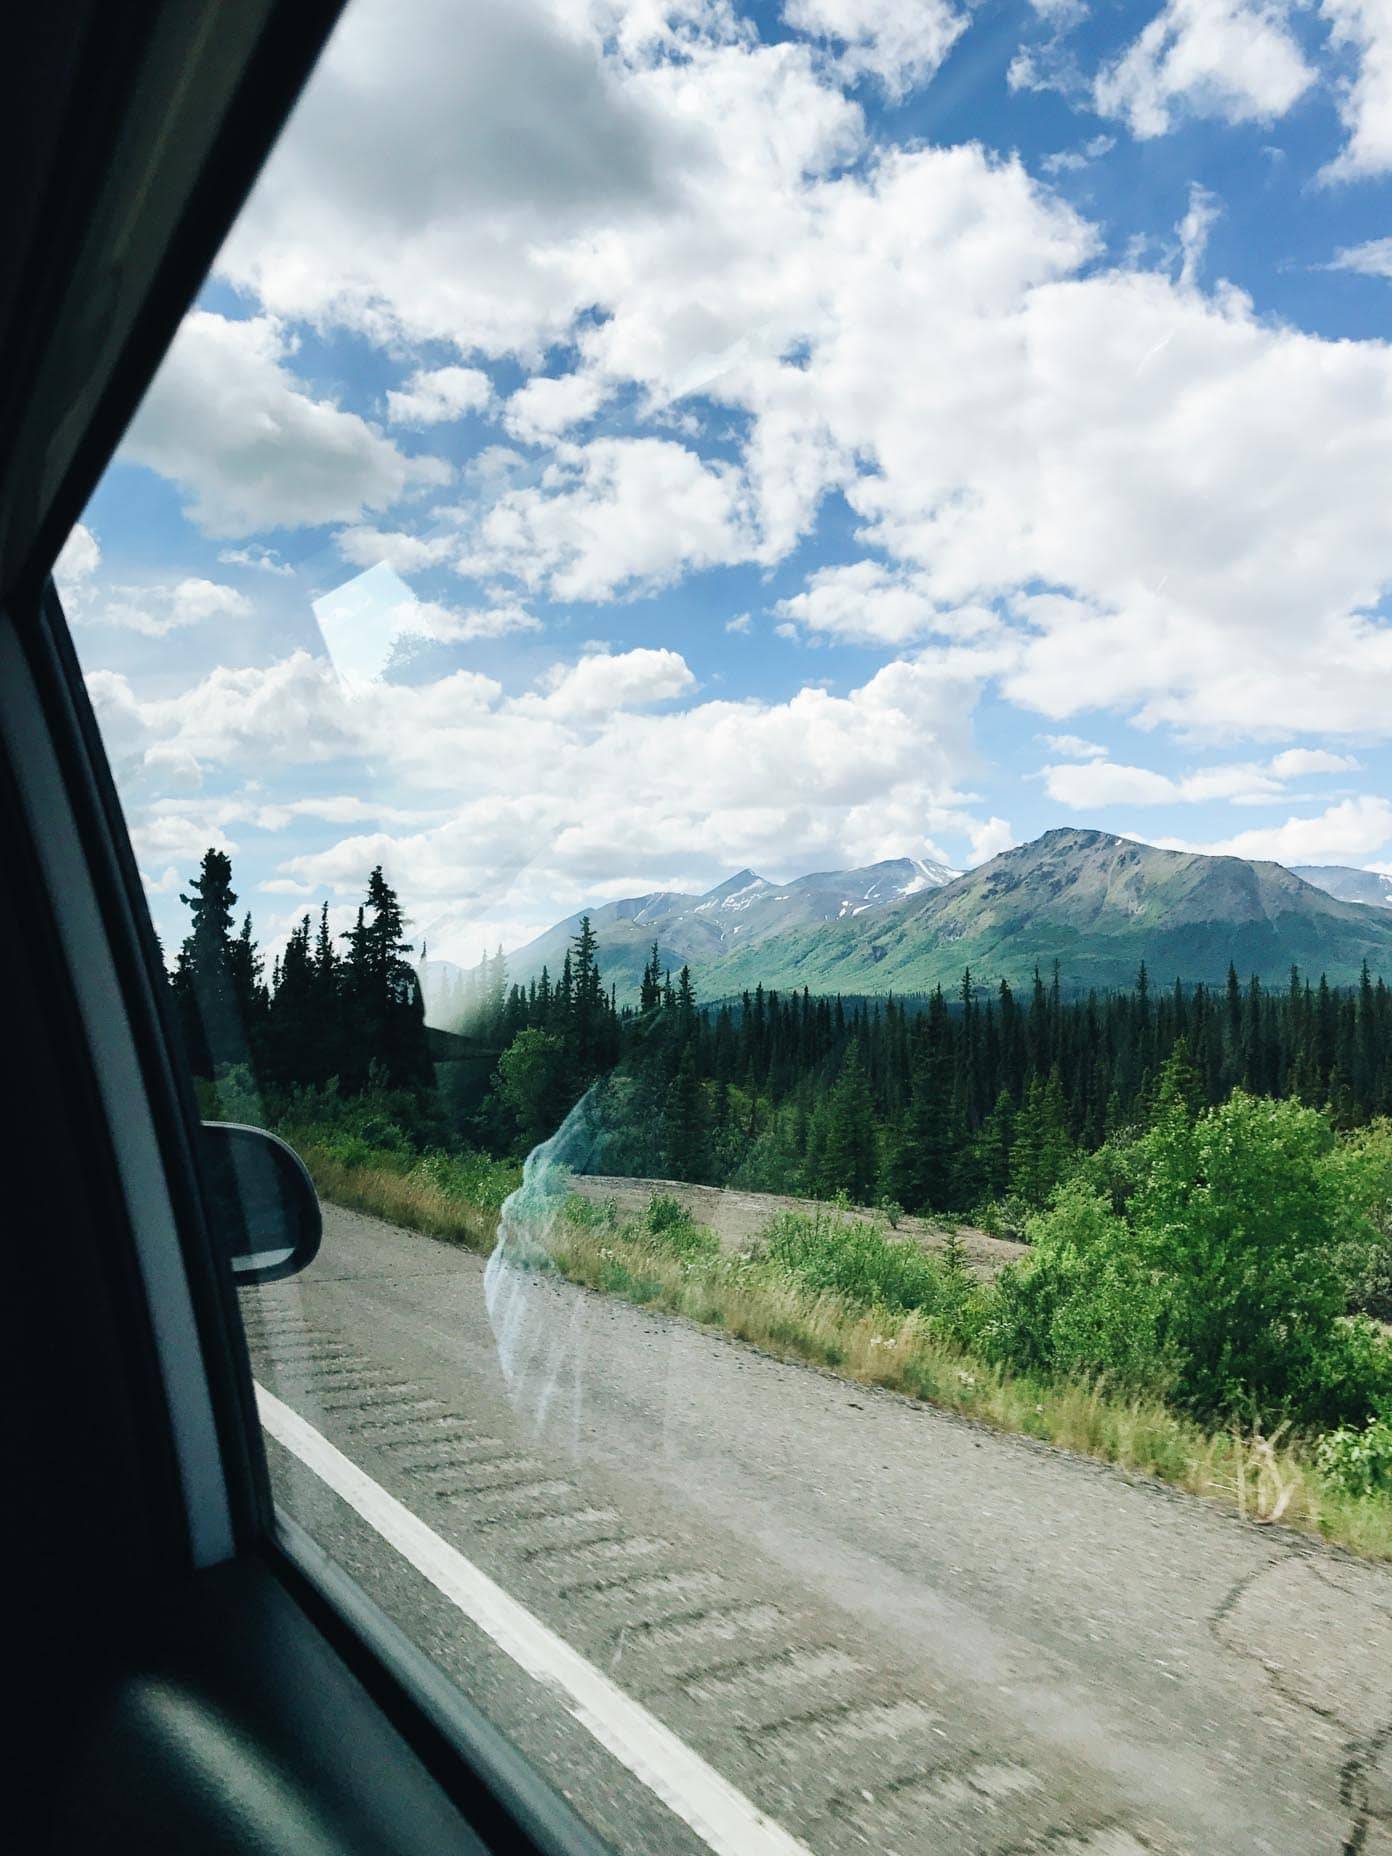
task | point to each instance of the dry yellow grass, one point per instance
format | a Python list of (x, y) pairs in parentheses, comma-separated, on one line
[(401, 1198), (1266, 1479)]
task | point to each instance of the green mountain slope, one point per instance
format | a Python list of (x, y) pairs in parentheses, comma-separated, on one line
[(1097, 904)]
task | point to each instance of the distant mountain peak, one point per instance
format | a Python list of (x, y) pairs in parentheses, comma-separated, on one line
[(737, 893)]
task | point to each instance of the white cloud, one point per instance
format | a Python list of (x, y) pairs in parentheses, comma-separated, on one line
[(989, 839), (365, 620), (444, 393), (867, 602), (1353, 829), (742, 622), (264, 560), (1087, 785), (405, 554), (75, 567), (547, 406), (1073, 160), (581, 782), (158, 610), (1202, 215), (1295, 763), (599, 684), (618, 515), (1234, 59), (1372, 259), (1103, 782), (900, 43), (1364, 29), (1074, 747), (228, 422), (436, 224), (926, 331)]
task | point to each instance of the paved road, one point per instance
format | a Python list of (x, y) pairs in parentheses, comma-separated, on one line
[(892, 1630)]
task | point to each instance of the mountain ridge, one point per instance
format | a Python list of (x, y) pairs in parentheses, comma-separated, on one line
[(1096, 903)]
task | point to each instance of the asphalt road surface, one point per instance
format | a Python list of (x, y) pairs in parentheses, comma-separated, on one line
[(880, 1627)]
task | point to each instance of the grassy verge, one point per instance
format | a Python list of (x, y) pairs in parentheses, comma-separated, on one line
[(666, 1262), (438, 1195)]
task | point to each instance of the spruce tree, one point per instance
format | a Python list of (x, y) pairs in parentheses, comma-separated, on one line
[(210, 979), (849, 1157), (686, 1140)]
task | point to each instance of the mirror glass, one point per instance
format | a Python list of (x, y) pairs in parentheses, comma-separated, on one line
[(262, 1206)]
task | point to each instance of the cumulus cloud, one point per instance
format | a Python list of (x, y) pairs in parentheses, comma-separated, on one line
[(227, 421), (264, 560), (424, 227), (1294, 763), (601, 683), (614, 516), (1352, 830), (1234, 59), (76, 566), (1371, 259), (443, 393), (1074, 747), (403, 553), (549, 405), (1363, 29), (1199, 220), (1100, 781), (591, 778), (869, 602), (900, 43), (158, 610), (1086, 785)]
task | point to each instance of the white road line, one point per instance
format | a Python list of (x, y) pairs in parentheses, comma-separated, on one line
[(725, 1820)]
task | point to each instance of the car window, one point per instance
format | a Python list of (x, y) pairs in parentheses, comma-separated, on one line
[(746, 650)]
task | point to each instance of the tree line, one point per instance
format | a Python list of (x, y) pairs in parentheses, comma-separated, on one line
[(345, 1007)]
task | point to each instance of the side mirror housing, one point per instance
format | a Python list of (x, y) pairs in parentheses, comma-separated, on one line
[(262, 1208)]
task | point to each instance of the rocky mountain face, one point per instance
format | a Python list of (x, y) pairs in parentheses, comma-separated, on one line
[(1348, 885)]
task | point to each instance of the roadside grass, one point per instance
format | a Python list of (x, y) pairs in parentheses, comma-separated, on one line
[(791, 1297), (439, 1194)]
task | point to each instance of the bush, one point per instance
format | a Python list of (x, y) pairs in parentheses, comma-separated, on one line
[(854, 1259), (1006, 1217), (669, 1227), (1358, 1463), (1362, 1162), (1219, 1284), (474, 1178)]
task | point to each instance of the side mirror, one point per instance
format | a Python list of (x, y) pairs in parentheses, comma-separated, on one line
[(262, 1207)]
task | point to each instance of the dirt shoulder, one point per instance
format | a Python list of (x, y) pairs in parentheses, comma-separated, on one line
[(738, 1217)]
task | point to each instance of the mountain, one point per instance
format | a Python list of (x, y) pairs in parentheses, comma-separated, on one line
[(1097, 904), (744, 912), (1348, 885)]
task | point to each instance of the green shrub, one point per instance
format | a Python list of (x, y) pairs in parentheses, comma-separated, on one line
[(1362, 1162), (1358, 1463), (1005, 1217), (585, 1214), (1220, 1284), (854, 1258), (668, 1227)]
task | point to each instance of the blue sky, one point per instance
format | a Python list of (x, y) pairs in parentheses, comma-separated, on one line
[(622, 442)]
